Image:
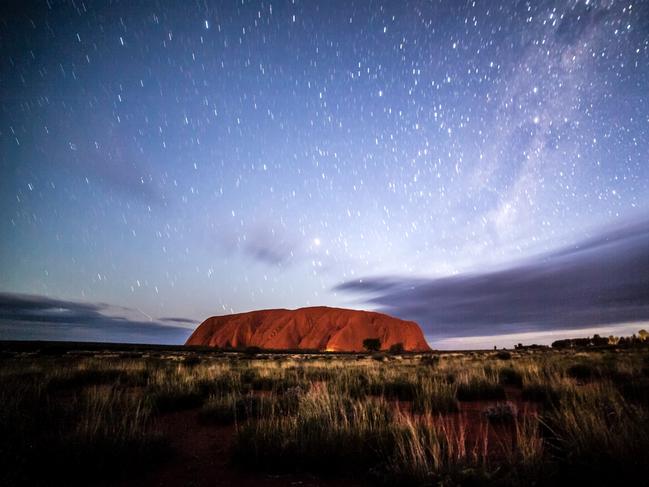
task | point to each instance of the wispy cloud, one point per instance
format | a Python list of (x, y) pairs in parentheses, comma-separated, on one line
[(178, 320), (265, 244), (33, 317), (93, 149), (601, 280), (269, 247), (509, 340)]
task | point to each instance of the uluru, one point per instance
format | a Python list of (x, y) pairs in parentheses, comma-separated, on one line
[(315, 328)]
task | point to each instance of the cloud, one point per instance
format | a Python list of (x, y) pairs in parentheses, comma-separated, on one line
[(601, 280), (265, 245), (268, 247), (107, 156), (33, 317), (177, 320), (120, 167)]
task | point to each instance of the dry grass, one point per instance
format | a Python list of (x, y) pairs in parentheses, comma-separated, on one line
[(402, 419)]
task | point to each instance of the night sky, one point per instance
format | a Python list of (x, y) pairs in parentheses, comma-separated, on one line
[(481, 167)]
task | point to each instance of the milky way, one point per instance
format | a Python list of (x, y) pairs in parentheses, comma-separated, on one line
[(188, 159)]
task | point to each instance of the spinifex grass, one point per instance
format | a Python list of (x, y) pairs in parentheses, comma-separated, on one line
[(326, 430), (577, 417), (55, 437)]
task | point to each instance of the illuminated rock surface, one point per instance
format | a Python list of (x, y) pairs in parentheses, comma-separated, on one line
[(316, 328)]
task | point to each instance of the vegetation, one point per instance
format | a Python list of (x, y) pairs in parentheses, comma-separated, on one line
[(372, 344), (539, 416), (641, 340)]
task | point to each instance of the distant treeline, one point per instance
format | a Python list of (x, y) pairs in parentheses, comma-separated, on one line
[(641, 339)]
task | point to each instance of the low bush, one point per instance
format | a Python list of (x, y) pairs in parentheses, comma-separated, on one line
[(509, 376), (503, 412), (400, 388), (74, 379), (582, 372), (435, 397), (598, 438), (479, 389), (220, 409), (192, 361), (504, 355), (327, 430), (430, 360), (540, 392)]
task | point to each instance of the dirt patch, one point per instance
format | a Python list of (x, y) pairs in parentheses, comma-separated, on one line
[(201, 457)]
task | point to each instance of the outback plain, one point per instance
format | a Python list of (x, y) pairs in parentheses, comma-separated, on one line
[(76, 414)]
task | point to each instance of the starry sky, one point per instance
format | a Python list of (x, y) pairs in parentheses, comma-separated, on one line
[(479, 166)]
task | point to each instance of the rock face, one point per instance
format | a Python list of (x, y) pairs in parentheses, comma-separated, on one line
[(318, 328)]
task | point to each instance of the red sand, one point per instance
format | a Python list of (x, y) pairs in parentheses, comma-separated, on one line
[(317, 328), (201, 458), (202, 451)]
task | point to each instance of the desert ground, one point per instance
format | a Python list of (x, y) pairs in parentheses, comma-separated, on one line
[(75, 414)]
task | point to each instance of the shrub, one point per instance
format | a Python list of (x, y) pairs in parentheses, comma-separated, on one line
[(434, 453), (479, 389), (510, 377), (173, 392), (635, 390), (191, 361), (540, 392), (97, 431), (228, 382), (581, 372), (396, 348), (372, 344), (503, 412), (430, 360), (263, 383), (504, 355), (401, 388), (598, 438), (433, 397), (220, 409), (228, 408), (320, 373), (75, 379), (327, 430), (249, 375), (169, 401)]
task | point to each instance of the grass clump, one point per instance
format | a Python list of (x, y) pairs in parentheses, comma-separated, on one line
[(326, 430), (509, 376), (166, 401), (391, 422), (93, 431), (434, 397), (220, 409), (598, 437), (429, 452), (479, 389), (540, 392), (78, 378), (401, 388), (430, 360), (502, 412), (581, 372)]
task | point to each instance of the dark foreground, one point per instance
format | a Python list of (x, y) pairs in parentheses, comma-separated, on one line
[(93, 414)]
